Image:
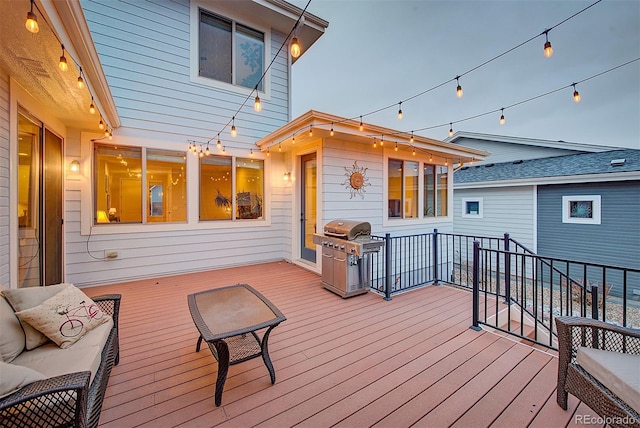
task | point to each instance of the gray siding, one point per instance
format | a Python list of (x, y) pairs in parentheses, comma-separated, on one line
[(506, 152), (505, 210), (613, 242), (4, 179)]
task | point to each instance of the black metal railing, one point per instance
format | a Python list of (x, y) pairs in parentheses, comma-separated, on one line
[(517, 290)]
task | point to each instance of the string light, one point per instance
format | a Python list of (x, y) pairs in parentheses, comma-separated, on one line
[(101, 124), (206, 152), (548, 50), (251, 152), (459, 88), (224, 149), (400, 110), (234, 131), (382, 141), (430, 157), (502, 116), (375, 143), (295, 48), (411, 139), (106, 131), (279, 147), (268, 153), (257, 105), (92, 108), (396, 148), (32, 21), (361, 126), (219, 143), (576, 94), (110, 134), (63, 61), (80, 80), (310, 130), (414, 151), (331, 133), (450, 129), (293, 139)]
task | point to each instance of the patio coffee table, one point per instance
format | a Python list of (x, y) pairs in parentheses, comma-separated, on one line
[(228, 319)]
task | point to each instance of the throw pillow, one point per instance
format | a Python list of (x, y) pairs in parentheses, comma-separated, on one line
[(25, 298), (65, 317), (14, 377), (12, 337)]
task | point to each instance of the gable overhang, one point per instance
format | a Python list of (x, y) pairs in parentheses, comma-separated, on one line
[(541, 181), (346, 129), (31, 61)]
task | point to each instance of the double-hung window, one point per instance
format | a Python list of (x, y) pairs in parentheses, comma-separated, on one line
[(416, 189), (230, 52)]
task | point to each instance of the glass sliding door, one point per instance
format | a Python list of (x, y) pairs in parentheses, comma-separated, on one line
[(308, 211)]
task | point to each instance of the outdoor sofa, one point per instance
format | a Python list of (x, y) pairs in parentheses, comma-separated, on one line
[(59, 378), (599, 363)]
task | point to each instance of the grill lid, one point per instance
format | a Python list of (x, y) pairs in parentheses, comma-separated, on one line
[(347, 229)]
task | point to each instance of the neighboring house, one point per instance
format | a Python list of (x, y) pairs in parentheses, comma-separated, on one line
[(91, 206), (580, 207)]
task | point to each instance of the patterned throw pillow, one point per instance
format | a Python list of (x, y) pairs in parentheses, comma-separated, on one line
[(65, 317)]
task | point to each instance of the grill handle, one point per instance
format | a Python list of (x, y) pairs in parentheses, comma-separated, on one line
[(336, 235)]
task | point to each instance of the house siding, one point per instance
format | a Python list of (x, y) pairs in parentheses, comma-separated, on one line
[(505, 210), (4, 179), (613, 242), (144, 50), (506, 152)]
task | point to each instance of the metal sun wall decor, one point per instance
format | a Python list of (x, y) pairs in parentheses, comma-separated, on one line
[(356, 180)]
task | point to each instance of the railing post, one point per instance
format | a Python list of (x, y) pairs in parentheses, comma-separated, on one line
[(507, 271), (387, 266), (476, 287), (594, 302), (435, 256)]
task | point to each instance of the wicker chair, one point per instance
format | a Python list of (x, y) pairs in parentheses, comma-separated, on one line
[(576, 332)]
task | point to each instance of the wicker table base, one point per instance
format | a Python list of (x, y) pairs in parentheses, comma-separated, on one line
[(228, 319)]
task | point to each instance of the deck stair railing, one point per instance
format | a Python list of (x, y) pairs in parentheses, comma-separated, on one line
[(517, 291)]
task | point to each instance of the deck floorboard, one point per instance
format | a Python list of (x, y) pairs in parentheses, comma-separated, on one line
[(356, 362)]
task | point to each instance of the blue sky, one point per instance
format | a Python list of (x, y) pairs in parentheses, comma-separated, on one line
[(376, 53)]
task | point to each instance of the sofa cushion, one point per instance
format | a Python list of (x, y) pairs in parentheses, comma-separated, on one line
[(25, 298), (14, 377), (12, 338), (619, 372), (66, 317), (50, 360)]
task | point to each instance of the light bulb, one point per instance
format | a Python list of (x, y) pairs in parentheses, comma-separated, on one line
[(396, 149), (219, 144), (375, 143), (80, 82), (361, 126), (400, 111), (234, 132), (206, 152), (310, 130), (101, 124), (576, 94), (251, 153), (414, 151), (279, 147), (201, 153), (451, 129), (293, 139), (295, 48), (257, 105), (32, 21), (331, 133), (63, 62), (382, 141), (459, 92), (92, 108), (548, 50), (411, 139), (110, 135), (106, 132), (502, 117)]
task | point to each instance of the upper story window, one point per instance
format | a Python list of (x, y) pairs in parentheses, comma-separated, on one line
[(132, 184), (230, 52), (409, 196)]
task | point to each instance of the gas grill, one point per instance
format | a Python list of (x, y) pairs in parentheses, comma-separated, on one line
[(346, 246)]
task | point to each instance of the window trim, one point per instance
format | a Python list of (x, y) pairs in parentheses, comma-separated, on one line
[(596, 207), (194, 63), (421, 219), (480, 202)]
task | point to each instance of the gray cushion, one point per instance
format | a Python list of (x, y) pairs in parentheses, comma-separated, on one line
[(14, 377), (12, 338)]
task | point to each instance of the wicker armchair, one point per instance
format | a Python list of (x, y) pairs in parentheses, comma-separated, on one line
[(576, 332)]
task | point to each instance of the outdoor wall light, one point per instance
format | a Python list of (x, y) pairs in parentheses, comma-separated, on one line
[(286, 176), (74, 166)]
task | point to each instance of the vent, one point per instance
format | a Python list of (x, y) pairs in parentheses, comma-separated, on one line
[(35, 67), (618, 162)]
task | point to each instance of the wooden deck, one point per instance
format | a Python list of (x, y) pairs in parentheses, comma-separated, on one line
[(357, 362)]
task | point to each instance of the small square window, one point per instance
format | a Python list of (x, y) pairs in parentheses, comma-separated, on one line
[(581, 209), (472, 207)]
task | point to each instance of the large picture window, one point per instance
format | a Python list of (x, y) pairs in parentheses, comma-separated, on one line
[(119, 180), (221, 177), (230, 52), (405, 186)]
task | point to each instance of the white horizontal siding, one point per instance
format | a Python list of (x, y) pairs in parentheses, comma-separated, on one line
[(505, 210), (144, 50), (4, 180)]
